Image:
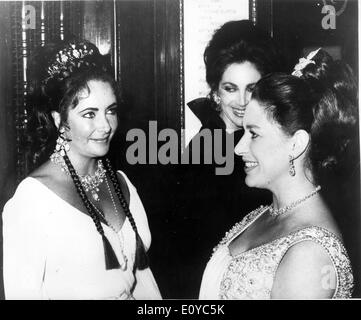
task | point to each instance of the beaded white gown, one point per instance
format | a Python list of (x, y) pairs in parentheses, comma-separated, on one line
[(250, 274), (51, 250)]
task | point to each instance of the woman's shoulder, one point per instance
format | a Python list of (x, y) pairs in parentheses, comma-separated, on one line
[(125, 181), (54, 180), (27, 189), (27, 203), (35, 191), (129, 190), (321, 237), (325, 241), (46, 171), (200, 106), (122, 175), (206, 113), (315, 264)]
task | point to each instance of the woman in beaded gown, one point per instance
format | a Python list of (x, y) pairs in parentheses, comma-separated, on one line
[(75, 228), (236, 57), (299, 134)]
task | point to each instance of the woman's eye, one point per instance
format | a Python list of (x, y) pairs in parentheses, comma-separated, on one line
[(89, 115), (230, 89), (253, 135), (112, 111)]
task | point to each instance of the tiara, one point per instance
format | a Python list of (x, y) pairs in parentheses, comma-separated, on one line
[(68, 58), (303, 62)]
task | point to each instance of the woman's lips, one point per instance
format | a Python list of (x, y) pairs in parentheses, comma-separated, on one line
[(239, 112), (101, 140), (250, 165)]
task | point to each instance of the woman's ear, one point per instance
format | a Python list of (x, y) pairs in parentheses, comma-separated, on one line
[(301, 139), (56, 118)]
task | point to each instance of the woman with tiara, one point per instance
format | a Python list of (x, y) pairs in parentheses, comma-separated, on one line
[(75, 228), (299, 138)]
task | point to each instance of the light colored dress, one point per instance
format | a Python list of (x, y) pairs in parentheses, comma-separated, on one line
[(250, 275), (51, 250)]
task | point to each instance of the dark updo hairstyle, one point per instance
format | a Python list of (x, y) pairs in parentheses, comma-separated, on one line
[(322, 101), (237, 42), (58, 73)]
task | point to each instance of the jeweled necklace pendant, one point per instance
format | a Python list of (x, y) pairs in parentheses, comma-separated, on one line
[(89, 182), (92, 183), (95, 195)]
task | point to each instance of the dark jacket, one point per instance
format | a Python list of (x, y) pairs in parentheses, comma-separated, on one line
[(208, 205)]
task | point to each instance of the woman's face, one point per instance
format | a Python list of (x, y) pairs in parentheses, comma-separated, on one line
[(234, 91), (264, 148), (93, 121)]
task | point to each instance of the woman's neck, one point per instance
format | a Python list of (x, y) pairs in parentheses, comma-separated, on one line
[(83, 165), (291, 191)]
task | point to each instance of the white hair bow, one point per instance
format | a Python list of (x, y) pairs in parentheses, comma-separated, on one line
[(303, 62)]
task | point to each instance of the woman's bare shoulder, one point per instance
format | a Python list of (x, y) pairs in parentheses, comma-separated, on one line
[(301, 273), (309, 215)]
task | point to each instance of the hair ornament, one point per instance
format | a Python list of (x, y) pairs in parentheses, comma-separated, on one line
[(72, 56), (303, 62)]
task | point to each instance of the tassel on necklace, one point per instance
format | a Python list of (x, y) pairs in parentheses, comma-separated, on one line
[(141, 257), (111, 260)]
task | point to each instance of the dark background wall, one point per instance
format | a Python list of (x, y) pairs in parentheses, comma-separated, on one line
[(7, 130), (144, 38), (297, 26)]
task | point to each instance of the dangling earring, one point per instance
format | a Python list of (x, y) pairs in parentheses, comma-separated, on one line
[(292, 170), (62, 145), (61, 148), (217, 100)]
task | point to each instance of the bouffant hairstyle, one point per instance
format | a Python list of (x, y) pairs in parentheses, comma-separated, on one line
[(322, 101), (237, 42)]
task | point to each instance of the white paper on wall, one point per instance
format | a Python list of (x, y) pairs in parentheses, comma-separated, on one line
[(201, 19)]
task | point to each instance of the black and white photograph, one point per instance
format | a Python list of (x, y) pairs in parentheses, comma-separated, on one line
[(189, 150)]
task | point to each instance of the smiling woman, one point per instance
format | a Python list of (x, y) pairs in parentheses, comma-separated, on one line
[(299, 143), (93, 122), (267, 145), (236, 57), (234, 92), (75, 228)]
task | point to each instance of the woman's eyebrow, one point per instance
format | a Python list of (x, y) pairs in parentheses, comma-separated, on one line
[(88, 109), (114, 104), (252, 126), (229, 83), (97, 109)]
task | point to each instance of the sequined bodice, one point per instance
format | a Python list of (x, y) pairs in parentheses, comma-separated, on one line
[(250, 275)]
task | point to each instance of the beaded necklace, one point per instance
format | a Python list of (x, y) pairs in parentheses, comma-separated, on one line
[(123, 263), (277, 212)]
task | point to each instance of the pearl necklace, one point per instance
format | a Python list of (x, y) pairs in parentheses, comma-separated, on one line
[(123, 263), (277, 212)]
